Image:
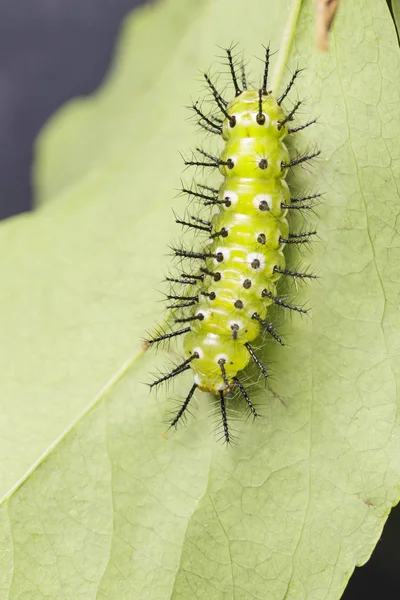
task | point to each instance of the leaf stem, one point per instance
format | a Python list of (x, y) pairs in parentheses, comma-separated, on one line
[(287, 40)]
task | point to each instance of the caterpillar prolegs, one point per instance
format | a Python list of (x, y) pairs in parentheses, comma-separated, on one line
[(222, 304)]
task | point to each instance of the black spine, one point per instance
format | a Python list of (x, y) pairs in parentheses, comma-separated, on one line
[(301, 127), (197, 194), (305, 198), (233, 73), (190, 254), (245, 396), (256, 360), (206, 119), (208, 188), (289, 86), (294, 274), (167, 336), (209, 129), (289, 116), (212, 274), (176, 371), (182, 281), (298, 238), (172, 297), (198, 317), (221, 363), (244, 82), (189, 276), (260, 117), (184, 406), (300, 159), (221, 103), (178, 306), (219, 99), (279, 302), (266, 69), (224, 418), (297, 206), (193, 225), (268, 327)]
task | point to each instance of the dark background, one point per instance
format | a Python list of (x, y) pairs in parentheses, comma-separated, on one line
[(54, 50), (50, 51)]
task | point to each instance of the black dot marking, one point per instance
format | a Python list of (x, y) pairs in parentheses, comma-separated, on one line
[(261, 239), (217, 276), (263, 205), (255, 264), (223, 232), (260, 119), (227, 202), (263, 164), (247, 284), (230, 164), (238, 304), (232, 121), (219, 256), (200, 316), (235, 329), (210, 295)]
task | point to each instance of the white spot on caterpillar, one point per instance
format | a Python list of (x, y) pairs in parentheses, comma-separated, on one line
[(262, 202), (224, 357), (197, 379), (266, 122), (232, 197), (256, 261), (199, 351), (205, 313), (236, 322), (225, 253)]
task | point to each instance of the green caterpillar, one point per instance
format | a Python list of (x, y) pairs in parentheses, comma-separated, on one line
[(223, 304)]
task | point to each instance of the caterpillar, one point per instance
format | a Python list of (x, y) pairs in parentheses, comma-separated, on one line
[(222, 303)]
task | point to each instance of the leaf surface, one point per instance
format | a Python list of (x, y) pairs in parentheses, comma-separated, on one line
[(97, 504)]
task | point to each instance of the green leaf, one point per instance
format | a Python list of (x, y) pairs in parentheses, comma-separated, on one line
[(94, 131), (97, 504), (396, 13)]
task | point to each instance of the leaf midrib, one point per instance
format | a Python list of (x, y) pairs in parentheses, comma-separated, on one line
[(111, 383)]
